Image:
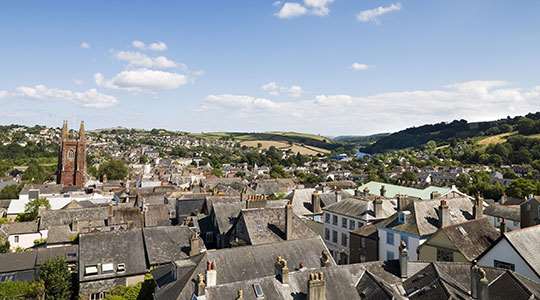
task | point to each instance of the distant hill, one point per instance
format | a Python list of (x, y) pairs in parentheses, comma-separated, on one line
[(444, 132), (360, 140)]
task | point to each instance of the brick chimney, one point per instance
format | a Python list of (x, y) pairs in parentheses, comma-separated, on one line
[(403, 260), (325, 259), (200, 286), (444, 214), (338, 195), (194, 244), (281, 270), (316, 286), (478, 208), (288, 221), (378, 208), (211, 274), (316, 202)]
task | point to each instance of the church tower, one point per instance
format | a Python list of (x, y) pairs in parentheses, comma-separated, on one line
[(72, 158)]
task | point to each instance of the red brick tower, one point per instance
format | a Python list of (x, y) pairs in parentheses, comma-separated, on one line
[(72, 158)]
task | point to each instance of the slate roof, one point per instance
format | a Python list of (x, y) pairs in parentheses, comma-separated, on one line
[(507, 212), (69, 253), (12, 262), (67, 216), (301, 201), (357, 208), (394, 190), (44, 189), (119, 246), (267, 225), (274, 186), (526, 242), (20, 227), (60, 234), (156, 215), (167, 243), (471, 238), (225, 215)]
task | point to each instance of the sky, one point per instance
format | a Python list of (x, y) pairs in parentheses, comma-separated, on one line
[(330, 67)]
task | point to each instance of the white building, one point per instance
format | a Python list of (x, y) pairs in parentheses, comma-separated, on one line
[(518, 251)]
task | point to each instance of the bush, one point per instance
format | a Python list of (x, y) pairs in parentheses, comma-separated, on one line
[(21, 290), (56, 279)]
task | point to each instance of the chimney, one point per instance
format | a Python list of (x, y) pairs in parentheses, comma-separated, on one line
[(444, 214), (502, 227), (325, 259), (478, 208), (104, 178), (239, 295), (357, 193), (201, 286), (483, 285), (403, 202), (281, 270), (288, 220), (194, 244), (434, 195), (403, 260), (316, 286), (378, 209), (383, 190), (82, 132), (474, 279), (316, 202), (503, 199), (338, 196), (211, 274)]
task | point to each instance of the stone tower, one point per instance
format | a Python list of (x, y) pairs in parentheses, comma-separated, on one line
[(72, 158)]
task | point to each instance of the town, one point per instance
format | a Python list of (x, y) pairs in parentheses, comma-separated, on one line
[(173, 215)]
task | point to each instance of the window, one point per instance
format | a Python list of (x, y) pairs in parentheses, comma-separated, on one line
[(327, 234), (107, 268), (405, 239), (444, 255), (71, 154), (90, 270), (504, 265), (97, 296), (389, 238), (344, 239), (258, 291), (121, 268), (344, 222), (389, 255), (327, 218), (352, 224), (334, 236), (16, 239), (334, 220)]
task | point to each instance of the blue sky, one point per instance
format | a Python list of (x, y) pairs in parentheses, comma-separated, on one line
[(319, 66)]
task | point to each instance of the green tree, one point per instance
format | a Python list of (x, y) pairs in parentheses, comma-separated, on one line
[(10, 191), (521, 188), (277, 171), (114, 169), (35, 173), (56, 279), (4, 245), (31, 210), (19, 290)]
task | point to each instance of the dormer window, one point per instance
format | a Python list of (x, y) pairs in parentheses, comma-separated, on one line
[(107, 268)]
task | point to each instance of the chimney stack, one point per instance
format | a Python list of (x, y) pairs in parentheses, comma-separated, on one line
[(288, 220), (357, 193), (325, 259), (444, 214), (378, 208), (201, 286), (194, 244), (482, 285), (478, 208), (316, 202), (502, 227), (403, 260), (211, 274), (338, 196), (316, 286), (383, 191), (503, 199), (403, 202), (282, 271), (239, 295), (434, 195)]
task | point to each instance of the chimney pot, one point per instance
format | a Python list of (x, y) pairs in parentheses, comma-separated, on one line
[(378, 208), (201, 286), (325, 259), (383, 191), (211, 274), (240, 294), (195, 244), (316, 202), (282, 270), (403, 260), (444, 214), (316, 286)]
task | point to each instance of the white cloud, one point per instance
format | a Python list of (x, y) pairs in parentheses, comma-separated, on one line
[(156, 46), (319, 7), (142, 79), (275, 89), (371, 15), (89, 98), (294, 9), (137, 59), (359, 67), (85, 45), (3, 94), (291, 10), (78, 81), (353, 114), (277, 3)]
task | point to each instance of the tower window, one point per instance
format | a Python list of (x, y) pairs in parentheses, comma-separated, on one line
[(71, 154)]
